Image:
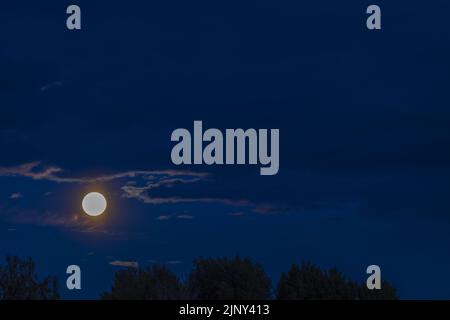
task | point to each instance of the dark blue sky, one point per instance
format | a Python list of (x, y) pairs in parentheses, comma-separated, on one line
[(364, 133)]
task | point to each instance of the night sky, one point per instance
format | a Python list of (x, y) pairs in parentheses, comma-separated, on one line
[(364, 119)]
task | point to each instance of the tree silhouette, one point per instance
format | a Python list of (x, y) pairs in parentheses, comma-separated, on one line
[(387, 292), (309, 282), (152, 283), (18, 281), (240, 279), (220, 279)]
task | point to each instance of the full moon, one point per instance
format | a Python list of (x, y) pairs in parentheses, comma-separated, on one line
[(94, 204)]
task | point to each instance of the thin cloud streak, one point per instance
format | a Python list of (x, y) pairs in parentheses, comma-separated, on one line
[(127, 264), (36, 171), (141, 194), (16, 195), (52, 85), (154, 179)]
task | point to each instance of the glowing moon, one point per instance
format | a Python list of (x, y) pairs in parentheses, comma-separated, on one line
[(94, 204)]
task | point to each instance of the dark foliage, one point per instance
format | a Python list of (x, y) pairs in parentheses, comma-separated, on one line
[(387, 292), (152, 283), (309, 282), (211, 279), (237, 278), (18, 281)]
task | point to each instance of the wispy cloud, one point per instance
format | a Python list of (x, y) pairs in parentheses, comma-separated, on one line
[(29, 216), (127, 264), (163, 217), (75, 222), (142, 194), (154, 179), (55, 84), (16, 195), (267, 209), (137, 184), (31, 170), (185, 216), (38, 171), (179, 216)]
